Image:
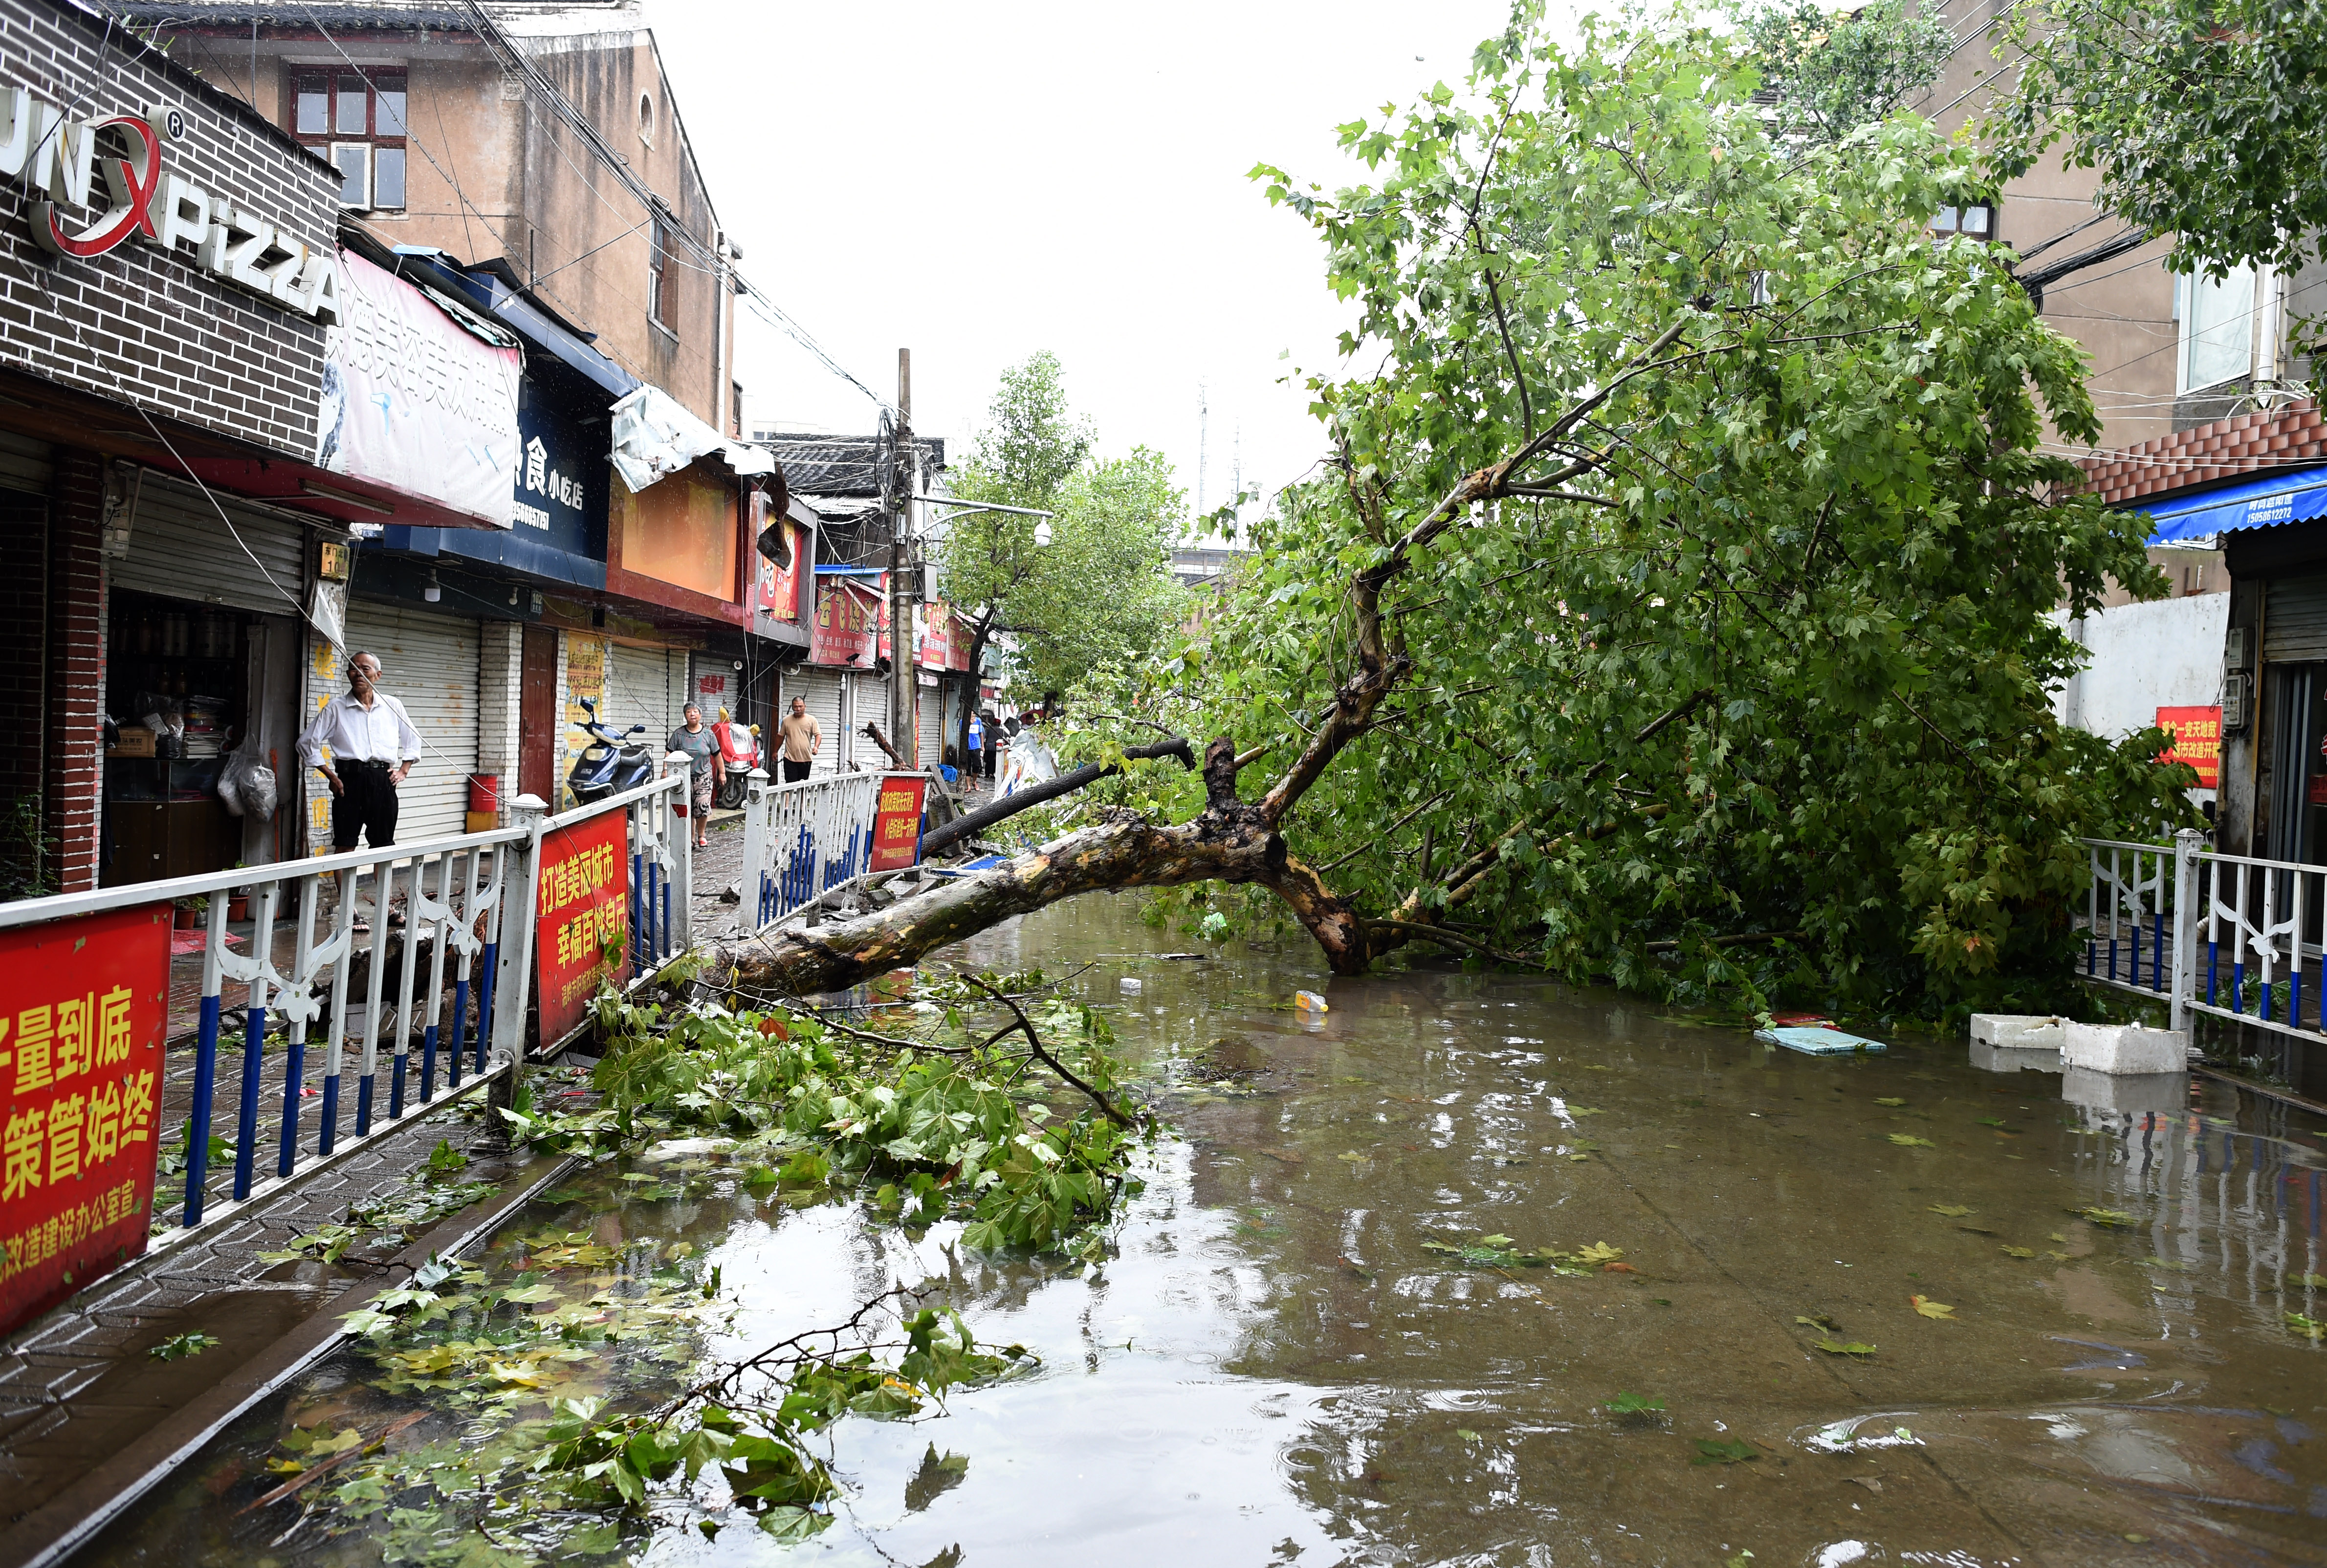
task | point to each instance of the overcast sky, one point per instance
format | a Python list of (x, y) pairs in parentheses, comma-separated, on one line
[(979, 182)]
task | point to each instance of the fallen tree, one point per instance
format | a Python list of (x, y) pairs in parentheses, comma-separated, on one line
[(1684, 581)]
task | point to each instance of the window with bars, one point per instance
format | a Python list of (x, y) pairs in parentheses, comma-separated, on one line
[(355, 116), (660, 306)]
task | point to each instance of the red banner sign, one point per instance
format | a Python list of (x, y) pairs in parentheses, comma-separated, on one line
[(2197, 734), (80, 1060), (847, 623), (581, 919), (897, 822)]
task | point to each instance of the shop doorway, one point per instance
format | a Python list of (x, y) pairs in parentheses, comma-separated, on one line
[(538, 714)]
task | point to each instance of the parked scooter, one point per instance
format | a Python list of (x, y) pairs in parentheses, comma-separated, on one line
[(739, 753), (610, 765)]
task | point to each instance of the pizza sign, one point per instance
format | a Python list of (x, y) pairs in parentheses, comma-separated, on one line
[(80, 1095)]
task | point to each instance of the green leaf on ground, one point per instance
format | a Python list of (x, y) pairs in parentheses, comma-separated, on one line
[(1833, 1347), (1993, 1122), (444, 1159), (2019, 1251), (2311, 1329), (1887, 1100), (1466, 1434), (1713, 1451), (1821, 1321), (1932, 1309), (1633, 1403), (2108, 1217), (177, 1347), (1908, 1141)]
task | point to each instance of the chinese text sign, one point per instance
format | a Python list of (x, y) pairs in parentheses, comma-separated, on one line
[(582, 932), (80, 1066), (897, 822), (2197, 734)]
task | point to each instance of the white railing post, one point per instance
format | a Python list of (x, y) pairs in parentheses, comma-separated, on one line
[(513, 964), (755, 848), (2187, 894), (680, 936)]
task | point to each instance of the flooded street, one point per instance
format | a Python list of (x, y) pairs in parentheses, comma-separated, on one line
[(1331, 1330)]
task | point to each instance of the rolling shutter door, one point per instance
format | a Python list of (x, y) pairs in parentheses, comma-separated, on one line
[(641, 689), (821, 687), (2294, 620), (929, 707), (715, 686), (429, 663), (24, 462), (179, 549)]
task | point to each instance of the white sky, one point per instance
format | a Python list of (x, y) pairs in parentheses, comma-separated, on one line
[(979, 182)]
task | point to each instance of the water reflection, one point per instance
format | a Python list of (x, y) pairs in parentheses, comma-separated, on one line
[(1282, 1363)]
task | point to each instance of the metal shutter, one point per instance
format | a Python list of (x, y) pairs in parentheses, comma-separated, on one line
[(641, 690), (715, 683), (928, 708), (429, 663), (821, 687), (2294, 620), (178, 547), (24, 462)]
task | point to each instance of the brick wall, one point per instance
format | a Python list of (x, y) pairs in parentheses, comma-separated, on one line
[(2242, 444), (138, 324), (76, 667)]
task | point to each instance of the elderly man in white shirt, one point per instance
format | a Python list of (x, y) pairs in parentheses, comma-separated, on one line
[(373, 746)]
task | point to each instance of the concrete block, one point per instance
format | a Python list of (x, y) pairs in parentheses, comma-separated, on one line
[(2164, 1093), (1989, 1058), (2123, 1048), (2024, 1030)]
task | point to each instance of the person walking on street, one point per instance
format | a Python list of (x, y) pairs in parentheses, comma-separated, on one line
[(373, 746), (977, 769), (797, 740), (993, 751), (705, 768)]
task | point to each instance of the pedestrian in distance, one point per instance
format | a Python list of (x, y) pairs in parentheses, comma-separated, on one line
[(975, 770), (705, 769), (797, 740), (993, 751), (373, 747)]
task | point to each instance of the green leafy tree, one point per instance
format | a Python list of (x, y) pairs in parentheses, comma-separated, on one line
[(1101, 590), (1680, 606), (1832, 73), (2206, 118)]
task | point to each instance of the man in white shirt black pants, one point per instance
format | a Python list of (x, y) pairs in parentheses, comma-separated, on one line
[(373, 746)]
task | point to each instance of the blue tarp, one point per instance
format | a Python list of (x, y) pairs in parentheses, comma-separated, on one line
[(2261, 503)]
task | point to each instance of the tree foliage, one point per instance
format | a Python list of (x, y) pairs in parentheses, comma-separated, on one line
[(1832, 73), (1101, 590), (2206, 118), (1748, 634)]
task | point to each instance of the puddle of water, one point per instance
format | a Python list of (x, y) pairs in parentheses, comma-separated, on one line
[(1275, 1366)]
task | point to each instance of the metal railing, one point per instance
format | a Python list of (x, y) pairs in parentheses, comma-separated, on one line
[(315, 984), (2231, 935), (802, 841)]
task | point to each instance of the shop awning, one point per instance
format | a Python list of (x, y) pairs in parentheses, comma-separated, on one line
[(2292, 497)]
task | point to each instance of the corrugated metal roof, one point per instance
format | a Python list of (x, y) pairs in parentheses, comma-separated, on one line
[(820, 466)]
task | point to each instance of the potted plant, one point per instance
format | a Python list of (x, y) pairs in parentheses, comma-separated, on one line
[(193, 911)]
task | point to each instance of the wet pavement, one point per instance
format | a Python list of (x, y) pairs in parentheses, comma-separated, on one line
[(2055, 1332)]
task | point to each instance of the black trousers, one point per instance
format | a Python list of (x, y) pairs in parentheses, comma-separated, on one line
[(366, 804), (796, 772)]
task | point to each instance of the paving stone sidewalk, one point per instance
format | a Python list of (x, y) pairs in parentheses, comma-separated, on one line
[(78, 1384)]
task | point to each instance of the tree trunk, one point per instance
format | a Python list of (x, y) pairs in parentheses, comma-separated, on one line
[(1229, 842), (939, 839)]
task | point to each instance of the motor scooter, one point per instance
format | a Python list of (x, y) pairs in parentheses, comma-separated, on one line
[(610, 765), (739, 753)]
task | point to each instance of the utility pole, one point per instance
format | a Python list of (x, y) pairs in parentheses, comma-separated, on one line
[(902, 674)]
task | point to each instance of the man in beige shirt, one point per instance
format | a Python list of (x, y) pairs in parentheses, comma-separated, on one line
[(799, 738)]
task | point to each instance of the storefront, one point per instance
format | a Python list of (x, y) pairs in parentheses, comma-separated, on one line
[(429, 663), (204, 645)]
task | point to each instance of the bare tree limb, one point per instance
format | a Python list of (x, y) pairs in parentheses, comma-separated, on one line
[(1027, 1025)]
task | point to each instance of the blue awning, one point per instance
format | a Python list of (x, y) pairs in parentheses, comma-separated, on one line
[(2280, 498)]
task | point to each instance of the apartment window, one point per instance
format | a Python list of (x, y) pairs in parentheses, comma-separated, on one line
[(658, 279), (1977, 221), (2217, 317), (355, 116)]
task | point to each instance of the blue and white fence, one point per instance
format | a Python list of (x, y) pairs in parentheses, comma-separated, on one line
[(802, 841), (452, 918), (2230, 936)]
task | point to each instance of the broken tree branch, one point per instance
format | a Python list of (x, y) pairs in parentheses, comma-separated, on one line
[(1034, 1041), (970, 824)]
